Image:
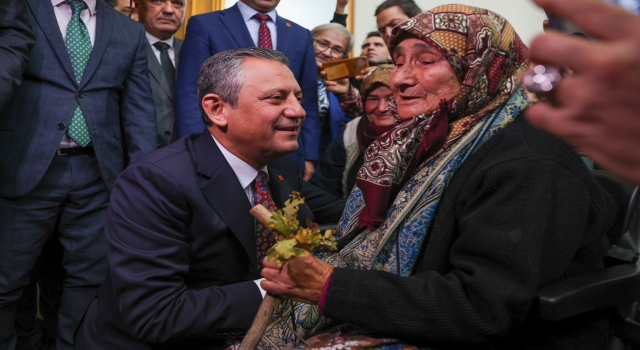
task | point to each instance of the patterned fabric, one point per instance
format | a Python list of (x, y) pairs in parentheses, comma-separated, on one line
[(79, 49), (264, 238), (488, 58), (323, 104), (380, 75), (264, 34)]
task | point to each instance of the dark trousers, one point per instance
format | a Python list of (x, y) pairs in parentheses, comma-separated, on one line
[(47, 275), (72, 190)]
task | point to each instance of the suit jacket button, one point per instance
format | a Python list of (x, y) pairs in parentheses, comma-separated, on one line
[(167, 133), (80, 95), (60, 126)]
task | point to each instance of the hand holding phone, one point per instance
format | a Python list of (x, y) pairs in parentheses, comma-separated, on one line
[(345, 68)]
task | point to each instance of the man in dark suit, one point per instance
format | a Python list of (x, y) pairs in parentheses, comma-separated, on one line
[(238, 27), (184, 250), (16, 40), (161, 20), (82, 113)]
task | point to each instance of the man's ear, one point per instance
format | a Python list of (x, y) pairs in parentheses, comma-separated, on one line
[(215, 109)]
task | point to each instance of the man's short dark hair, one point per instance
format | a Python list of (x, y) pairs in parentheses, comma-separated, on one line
[(112, 3), (223, 74), (409, 7), (372, 34)]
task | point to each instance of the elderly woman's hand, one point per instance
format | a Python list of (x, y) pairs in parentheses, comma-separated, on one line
[(300, 278)]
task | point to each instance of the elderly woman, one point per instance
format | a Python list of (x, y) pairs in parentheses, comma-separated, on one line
[(338, 101), (345, 154), (462, 211)]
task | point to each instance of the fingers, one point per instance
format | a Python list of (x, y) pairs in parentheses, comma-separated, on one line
[(559, 49), (595, 17), (270, 264)]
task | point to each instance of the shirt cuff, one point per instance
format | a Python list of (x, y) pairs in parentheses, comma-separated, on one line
[(262, 291), (323, 296)]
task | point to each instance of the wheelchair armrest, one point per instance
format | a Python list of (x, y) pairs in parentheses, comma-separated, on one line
[(614, 286)]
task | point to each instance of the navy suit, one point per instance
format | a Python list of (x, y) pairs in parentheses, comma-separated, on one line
[(182, 251), (37, 186), (214, 32), (15, 42)]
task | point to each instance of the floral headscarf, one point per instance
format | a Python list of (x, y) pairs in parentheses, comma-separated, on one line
[(367, 132), (488, 58)]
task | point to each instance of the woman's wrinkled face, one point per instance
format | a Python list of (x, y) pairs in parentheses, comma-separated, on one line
[(422, 78), (377, 107)]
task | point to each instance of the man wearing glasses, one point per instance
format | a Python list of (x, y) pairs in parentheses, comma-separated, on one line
[(249, 23), (338, 101), (161, 20)]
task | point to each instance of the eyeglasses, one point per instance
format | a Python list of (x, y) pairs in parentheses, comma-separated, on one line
[(336, 51)]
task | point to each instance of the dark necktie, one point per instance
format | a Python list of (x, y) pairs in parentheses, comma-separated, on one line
[(79, 50), (165, 62), (264, 238), (264, 34)]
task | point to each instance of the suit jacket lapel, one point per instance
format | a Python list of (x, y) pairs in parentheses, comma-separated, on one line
[(104, 25), (233, 21), (225, 195), (155, 69), (46, 18), (285, 33), (177, 45)]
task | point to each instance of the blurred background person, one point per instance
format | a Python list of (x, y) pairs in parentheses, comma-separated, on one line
[(161, 20), (126, 7), (375, 49), (393, 12), (338, 101), (340, 162)]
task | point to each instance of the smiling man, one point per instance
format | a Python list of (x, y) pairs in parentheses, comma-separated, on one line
[(183, 248), (161, 20)]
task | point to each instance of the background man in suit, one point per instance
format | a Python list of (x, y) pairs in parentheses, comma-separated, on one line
[(237, 27), (375, 49), (16, 40), (161, 20), (184, 250), (86, 83), (126, 7)]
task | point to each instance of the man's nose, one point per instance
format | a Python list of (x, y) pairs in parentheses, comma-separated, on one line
[(294, 108)]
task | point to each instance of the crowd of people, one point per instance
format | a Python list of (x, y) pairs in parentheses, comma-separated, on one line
[(131, 159)]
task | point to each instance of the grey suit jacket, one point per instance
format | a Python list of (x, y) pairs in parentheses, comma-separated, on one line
[(114, 94), (163, 97)]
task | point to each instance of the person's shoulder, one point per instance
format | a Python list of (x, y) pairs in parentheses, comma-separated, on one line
[(174, 157), (209, 16)]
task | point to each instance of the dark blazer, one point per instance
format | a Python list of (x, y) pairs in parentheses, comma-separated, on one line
[(182, 254), (163, 97), (16, 40), (522, 213), (114, 93), (214, 32)]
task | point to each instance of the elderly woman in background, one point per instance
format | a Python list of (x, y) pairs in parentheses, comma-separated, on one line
[(463, 210), (338, 101), (345, 154)]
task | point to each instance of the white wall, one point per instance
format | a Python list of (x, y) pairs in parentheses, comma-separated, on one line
[(525, 17)]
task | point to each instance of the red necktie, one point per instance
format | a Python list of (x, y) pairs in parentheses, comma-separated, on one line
[(264, 34), (264, 238)]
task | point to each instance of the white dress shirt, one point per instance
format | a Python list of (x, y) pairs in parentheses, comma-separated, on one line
[(63, 12), (246, 175), (172, 52), (253, 25)]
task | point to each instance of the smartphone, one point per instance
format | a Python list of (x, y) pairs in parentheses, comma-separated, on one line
[(345, 68)]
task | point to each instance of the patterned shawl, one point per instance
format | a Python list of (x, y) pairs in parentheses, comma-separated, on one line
[(488, 58)]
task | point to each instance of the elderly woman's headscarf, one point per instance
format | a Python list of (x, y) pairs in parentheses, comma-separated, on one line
[(367, 131), (488, 58)]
